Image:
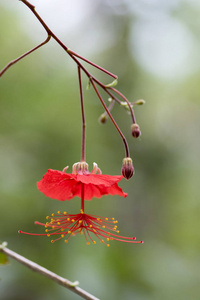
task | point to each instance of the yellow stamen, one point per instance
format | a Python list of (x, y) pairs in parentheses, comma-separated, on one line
[(94, 242), (58, 212), (66, 241), (52, 241)]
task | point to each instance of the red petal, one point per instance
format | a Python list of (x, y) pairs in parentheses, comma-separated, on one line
[(99, 179), (57, 185), (62, 186), (98, 191)]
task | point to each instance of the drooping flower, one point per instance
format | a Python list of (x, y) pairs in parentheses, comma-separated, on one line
[(64, 226), (64, 186)]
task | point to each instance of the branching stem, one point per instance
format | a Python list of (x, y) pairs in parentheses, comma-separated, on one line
[(107, 88)]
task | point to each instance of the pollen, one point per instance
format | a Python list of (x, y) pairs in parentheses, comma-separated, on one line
[(80, 221), (65, 212), (106, 219), (47, 217), (58, 212), (88, 243), (69, 231), (52, 215), (108, 245), (52, 241), (62, 235), (90, 226), (66, 241), (48, 235), (46, 230), (58, 223), (94, 242), (73, 220)]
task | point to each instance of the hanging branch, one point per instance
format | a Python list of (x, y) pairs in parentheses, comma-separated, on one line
[(72, 286), (108, 88)]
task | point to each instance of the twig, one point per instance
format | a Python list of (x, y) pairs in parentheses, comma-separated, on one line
[(22, 56), (37, 268)]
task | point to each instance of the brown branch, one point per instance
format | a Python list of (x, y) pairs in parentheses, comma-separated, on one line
[(12, 62), (39, 269)]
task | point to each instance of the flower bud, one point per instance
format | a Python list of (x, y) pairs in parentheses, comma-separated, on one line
[(103, 118), (135, 130), (127, 168), (139, 102)]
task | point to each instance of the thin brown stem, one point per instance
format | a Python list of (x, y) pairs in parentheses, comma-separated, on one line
[(112, 119), (83, 116), (39, 269), (93, 64), (12, 62)]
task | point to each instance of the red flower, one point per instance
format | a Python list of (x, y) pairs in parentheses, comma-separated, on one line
[(62, 186), (64, 225)]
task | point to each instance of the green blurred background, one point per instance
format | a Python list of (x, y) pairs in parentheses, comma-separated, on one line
[(153, 47)]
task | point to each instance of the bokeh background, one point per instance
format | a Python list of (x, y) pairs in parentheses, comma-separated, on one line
[(154, 48)]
